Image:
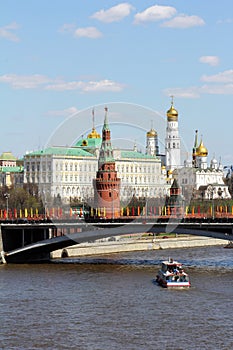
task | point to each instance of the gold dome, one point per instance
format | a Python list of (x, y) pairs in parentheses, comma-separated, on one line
[(172, 114), (93, 135), (151, 133), (201, 150)]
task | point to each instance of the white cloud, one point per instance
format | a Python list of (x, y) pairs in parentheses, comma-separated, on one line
[(84, 32), (64, 86), (103, 85), (211, 60), (91, 86), (87, 32), (222, 77), (184, 21), (6, 32), (65, 112), (114, 14), (220, 89), (197, 91), (154, 13), (24, 81), (43, 82), (190, 92)]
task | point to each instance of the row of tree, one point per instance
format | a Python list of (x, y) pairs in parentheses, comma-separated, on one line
[(19, 198), (29, 197)]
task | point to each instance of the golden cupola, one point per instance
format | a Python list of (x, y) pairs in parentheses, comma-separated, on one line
[(151, 133), (201, 150), (93, 135), (172, 114)]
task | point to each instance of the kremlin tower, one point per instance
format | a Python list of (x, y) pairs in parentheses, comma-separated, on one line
[(172, 142), (106, 183)]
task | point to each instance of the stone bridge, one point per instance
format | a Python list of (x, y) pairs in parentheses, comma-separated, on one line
[(24, 243)]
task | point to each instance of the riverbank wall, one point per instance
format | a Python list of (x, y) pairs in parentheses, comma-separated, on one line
[(120, 244)]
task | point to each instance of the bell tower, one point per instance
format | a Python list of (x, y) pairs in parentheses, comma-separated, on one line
[(106, 183), (172, 142)]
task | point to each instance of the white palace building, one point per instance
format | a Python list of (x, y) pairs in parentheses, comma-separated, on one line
[(68, 172)]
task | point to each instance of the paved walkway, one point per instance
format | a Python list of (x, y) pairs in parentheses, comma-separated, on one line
[(135, 243)]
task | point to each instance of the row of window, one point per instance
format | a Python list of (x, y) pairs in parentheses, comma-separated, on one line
[(37, 167), (83, 167), (174, 145), (135, 169), (76, 167), (141, 179), (60, 167), (124, 192), (89, 179)]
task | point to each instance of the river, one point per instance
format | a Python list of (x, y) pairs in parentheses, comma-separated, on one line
[(113, 303)]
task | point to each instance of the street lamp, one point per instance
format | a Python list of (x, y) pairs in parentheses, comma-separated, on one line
[(7, 195)]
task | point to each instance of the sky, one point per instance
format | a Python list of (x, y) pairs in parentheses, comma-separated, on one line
[(61, 60)]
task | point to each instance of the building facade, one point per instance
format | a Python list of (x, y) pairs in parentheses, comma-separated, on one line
[(11, 171), (68, 172), (198, 178)]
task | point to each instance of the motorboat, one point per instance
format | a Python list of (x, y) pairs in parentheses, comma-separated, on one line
[(229, 245), (172, 274)]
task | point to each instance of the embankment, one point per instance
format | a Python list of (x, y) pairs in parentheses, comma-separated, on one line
[(120, 244)]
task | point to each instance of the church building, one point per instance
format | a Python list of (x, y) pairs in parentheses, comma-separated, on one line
[(199, 179)]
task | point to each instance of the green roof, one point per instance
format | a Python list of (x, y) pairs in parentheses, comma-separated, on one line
[(136, 155), (89, 143), (66, 151), (11, 169), (7, 156)]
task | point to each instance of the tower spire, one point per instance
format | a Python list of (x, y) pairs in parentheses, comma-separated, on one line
[(106, 125), (196, 139), (93, 134), (195, 149), (106, 152), (106, 183)]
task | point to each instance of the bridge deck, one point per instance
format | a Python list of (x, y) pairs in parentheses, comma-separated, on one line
[(88, 232)]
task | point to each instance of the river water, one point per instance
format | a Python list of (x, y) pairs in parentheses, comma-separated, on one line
[(112, 302)]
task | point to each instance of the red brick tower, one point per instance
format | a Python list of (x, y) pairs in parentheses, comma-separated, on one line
[(107, 184)]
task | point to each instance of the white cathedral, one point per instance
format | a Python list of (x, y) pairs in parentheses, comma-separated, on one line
[(68, 172)]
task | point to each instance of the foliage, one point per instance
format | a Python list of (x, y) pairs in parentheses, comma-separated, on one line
[(19, 198)]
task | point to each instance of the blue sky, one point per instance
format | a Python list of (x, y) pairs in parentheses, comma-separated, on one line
[(63, 57)]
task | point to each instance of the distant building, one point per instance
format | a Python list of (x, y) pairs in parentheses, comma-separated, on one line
[(11, 170), (172, 142), (68, 172), (199, 179)]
